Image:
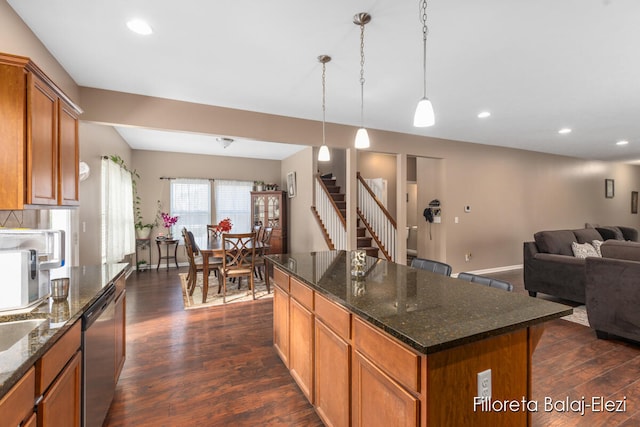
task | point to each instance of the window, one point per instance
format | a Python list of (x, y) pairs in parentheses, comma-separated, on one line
[(118, 234), (233, 200), (191, 202)]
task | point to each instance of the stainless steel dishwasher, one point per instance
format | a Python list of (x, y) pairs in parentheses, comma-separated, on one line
[(99, 353)]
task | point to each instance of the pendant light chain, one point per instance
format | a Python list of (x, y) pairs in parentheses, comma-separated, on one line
[(324, 69), (425, 30), (362, 74)]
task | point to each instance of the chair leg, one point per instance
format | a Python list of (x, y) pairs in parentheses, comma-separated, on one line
[(251, 284), (219, 275), (224, 290)]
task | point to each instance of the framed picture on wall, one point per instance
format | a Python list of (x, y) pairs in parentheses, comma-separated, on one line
[(291, 184), (608, 188), (634, 202)]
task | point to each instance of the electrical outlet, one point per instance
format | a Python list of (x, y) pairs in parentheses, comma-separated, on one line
[(467, 257), (484, 384)]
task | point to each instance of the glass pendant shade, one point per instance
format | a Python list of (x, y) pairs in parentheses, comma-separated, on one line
[(323, 154), (424, 116), (362, 138)]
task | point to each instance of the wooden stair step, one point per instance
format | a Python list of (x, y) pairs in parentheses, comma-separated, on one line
[(333, 189), (341, 204), (364, 241), (338, 197), (361, 231), (371, 251)]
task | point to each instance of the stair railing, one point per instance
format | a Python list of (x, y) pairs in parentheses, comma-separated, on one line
[(329, 217), (377, 219)]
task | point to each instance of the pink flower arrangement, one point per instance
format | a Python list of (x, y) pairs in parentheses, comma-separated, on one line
[(168, 220)]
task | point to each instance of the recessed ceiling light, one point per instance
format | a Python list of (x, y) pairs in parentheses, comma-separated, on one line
[(564, 131), (484, 115), (623, 142), (139, 26)]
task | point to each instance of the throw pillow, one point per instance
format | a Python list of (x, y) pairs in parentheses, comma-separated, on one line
[(596, 244), (583, 250)]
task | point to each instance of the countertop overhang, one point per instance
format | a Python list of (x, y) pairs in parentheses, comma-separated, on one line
[(427, 311)]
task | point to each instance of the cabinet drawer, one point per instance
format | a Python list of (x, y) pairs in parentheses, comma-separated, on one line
[(281, 279), (49, 366), (336, 317), (302, 293), (17, 404), (392, 357)]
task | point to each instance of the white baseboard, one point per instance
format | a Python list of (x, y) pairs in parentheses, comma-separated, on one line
[(493, 270)]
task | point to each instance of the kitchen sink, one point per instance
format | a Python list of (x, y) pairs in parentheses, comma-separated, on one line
[(12, 332)]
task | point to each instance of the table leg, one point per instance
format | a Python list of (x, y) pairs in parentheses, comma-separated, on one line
[(175, 255), (159, 255), (205, 275)]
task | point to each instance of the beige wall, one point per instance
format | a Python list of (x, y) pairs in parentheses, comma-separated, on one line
[(95, 141), (304, 233), (17, 39)]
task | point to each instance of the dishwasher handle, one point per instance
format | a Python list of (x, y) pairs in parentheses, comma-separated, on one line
[(98, 307)]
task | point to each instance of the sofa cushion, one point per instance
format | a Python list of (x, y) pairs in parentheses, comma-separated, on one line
[(621, 249), (583, 250), (555, 241), (596, 244), (587, 235), (610, 232)]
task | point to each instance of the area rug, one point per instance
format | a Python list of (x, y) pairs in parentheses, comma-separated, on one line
[(579, 316), (214, 298)]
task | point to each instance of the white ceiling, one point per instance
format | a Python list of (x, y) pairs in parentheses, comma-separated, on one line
[(537, 66)]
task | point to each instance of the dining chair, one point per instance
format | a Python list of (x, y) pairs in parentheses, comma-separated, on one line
[(212, 230), (258, 230), (238, 259), (260, 261), (487, 281), (195, 261), (433, 266)]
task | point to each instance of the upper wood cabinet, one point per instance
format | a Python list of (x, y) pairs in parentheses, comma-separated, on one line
[(39, 133), (270, 210)]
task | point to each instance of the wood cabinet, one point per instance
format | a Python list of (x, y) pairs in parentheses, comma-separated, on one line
[(39, 133), (58, 381), (269, 209), (17, 404), (281, 323), (121, 326), (332, 362), (301, 340)]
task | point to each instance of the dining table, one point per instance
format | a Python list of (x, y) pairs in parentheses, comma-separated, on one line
[(214, 249)]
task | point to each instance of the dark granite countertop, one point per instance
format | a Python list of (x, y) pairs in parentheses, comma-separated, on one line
[(86, 285), (427, 311)]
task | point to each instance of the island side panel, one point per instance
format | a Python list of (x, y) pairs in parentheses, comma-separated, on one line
[(452, 382)]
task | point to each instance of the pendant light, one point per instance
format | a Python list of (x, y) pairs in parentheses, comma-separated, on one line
[(424, 116), (323, 154), (362, 136)]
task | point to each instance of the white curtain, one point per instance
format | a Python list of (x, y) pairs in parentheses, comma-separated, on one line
[(233, 200), (118, 233), (191, 202)]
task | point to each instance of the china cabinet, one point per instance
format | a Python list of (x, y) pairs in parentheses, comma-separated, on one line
[(270, 210)]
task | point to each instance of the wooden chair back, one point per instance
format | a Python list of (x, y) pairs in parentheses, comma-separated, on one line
[(239, 251)]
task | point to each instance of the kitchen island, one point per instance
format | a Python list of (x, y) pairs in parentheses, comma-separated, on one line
[(402, 346), (37, 353)]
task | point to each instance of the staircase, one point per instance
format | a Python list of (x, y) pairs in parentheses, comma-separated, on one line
[(364, 241)]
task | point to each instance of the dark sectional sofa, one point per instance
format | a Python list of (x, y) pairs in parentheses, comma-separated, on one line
[(550, 266), (613, 290)]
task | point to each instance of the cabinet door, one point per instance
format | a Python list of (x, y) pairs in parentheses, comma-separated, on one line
[(69, 156), (332, 372), (17, 404), (120, 318), (42, 144), (378, 400), (281, 323), (301, 347), (61, 403), (259, 211)]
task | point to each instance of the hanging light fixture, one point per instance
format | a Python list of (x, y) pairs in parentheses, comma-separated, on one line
[(323, 154), (362, 136), (424, 116)]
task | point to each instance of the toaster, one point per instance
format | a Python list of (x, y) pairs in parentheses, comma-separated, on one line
[(20, 285)]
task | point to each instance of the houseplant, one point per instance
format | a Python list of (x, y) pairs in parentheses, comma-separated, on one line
[(143, 229)]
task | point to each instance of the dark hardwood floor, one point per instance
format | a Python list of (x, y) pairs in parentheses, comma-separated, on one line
[(217, 366)]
